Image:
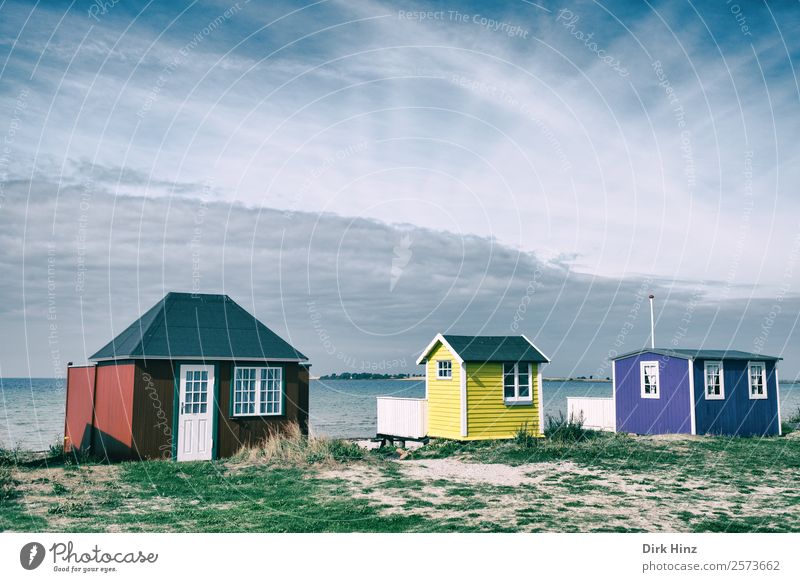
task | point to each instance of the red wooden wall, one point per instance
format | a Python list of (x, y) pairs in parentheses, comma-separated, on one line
[(113, 436), (78, 422)]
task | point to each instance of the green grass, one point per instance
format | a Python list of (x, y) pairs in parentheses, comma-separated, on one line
[(210, 497), (748, 456), (272, 488), (598, 450), (156, 496), (585, 481)]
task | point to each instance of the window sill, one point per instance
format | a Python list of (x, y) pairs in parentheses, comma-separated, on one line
[(518, 402), (715, 397), (244, 416), (764, 397), (651, 396)]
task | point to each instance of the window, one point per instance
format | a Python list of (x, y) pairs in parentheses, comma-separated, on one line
[(270, 391), (715, 382), (244, 391), (517, 383), (257, 391), (444, 369), (196, 392), (649, 377), (757, 380)]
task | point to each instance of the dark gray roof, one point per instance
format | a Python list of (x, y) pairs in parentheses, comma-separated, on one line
[(494, 348), (701, 354), (190, 325)]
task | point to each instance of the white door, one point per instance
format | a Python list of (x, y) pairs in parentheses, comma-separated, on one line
[(195, 413)]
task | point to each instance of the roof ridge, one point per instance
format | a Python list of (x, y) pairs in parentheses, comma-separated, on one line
[(179, 325), (493, 336), (132, 329), (698, 353), (160, 316), (486, 348)]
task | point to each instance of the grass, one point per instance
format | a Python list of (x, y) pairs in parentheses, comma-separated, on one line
[(794, 418), (590, 448), (791, 422), (292, 448), (571, 480), (563, 430), (272, 487)]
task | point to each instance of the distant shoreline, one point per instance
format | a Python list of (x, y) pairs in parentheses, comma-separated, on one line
[(418, 378), (576, 380)]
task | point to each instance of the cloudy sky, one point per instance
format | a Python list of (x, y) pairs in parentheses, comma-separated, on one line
[(363, 175)]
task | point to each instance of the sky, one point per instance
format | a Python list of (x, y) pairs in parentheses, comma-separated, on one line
[(364, 175)]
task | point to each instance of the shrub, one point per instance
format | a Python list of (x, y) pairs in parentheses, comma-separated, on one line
[(525, 438), (567, 430), (292, 447), (9, 457), (443, 448), (344, 451), (793, 418), (76, 457), (8, 488), (56, 450)]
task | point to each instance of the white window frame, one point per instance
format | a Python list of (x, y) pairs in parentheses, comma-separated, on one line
[(261, 390), (448, 369), (721, 395), (642, 365), (517, 399), (763, 366)]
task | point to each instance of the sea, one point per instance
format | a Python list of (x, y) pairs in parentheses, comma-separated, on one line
[(32, 409)]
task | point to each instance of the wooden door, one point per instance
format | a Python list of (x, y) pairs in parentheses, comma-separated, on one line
[(196, 412)]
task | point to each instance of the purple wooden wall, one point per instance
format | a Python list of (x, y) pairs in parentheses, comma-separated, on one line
[(668, 414), (736, 414)]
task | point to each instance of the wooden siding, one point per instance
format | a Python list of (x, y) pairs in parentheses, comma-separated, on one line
[(444, 396), (595, 413), (79, 404), (154, 401), (154, 386), (402, 417), (236, 432), (133, 412), (668, 414), (488, 416), (111, 437), (302, 397), (736, 414)]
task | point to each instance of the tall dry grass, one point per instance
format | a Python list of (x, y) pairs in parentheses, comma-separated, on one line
[(291, 447)]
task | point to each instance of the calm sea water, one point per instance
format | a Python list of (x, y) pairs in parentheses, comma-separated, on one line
[(32, 409)]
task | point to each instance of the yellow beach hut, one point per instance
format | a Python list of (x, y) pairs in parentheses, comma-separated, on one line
[(476, 387)]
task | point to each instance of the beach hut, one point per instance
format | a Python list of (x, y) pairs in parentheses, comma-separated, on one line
[(691, 391), (476, 387), (194, 378)]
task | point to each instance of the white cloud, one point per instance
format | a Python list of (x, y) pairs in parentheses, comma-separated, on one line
[(533, 143)]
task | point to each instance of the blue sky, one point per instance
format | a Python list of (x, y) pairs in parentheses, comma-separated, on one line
[(446, 154)]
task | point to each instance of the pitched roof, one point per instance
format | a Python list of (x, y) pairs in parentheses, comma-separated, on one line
[(194, 326), (486, 348), (692, 354)]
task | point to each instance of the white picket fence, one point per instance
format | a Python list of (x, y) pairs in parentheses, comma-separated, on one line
[(402, 417), (597, 413)]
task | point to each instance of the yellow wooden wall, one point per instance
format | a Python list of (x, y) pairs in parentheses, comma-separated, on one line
[(488, 417), (444, 396)]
